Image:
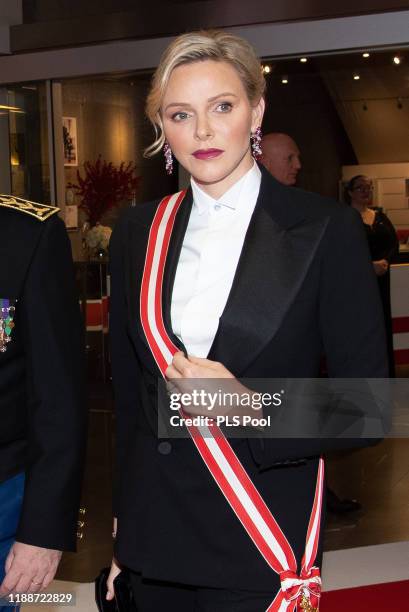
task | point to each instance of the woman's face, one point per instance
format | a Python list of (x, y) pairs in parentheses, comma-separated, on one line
[(361, 193), (207, 119)]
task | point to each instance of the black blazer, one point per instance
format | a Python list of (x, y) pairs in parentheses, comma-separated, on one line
[(42, 411), (304, 286)]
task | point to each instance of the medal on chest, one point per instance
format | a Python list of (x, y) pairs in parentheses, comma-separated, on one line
[(7, 311)]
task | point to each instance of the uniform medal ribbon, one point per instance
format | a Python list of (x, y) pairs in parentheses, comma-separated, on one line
[(7, 309)]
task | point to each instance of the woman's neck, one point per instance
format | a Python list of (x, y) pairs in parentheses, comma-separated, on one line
[(361, 208)]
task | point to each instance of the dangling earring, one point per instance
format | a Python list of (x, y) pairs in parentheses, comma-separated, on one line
[(167, 152), (255, 143)]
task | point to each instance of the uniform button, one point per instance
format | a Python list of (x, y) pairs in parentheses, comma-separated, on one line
[(217, 206), (164, 448)]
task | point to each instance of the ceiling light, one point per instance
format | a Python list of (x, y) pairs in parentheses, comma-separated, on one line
[(284, 80), (397, 60), (356, 76), (303, 60), (366, 55), (266, 69)]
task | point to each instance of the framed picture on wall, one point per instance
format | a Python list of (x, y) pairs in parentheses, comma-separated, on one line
[(69, 129)]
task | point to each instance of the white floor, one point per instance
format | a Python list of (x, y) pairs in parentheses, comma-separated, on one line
[(341, 569)]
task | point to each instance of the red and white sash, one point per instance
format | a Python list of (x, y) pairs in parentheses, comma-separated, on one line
[(298, 590)]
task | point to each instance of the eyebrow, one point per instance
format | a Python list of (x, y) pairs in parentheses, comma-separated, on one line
[(212, 99)]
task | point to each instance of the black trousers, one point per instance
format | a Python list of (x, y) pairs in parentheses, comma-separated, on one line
[(155, 596)]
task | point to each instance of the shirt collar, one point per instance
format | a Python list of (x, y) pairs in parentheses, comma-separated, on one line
[(232, 197)]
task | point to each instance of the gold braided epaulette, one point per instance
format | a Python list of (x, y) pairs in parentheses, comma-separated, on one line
[(34, 209)]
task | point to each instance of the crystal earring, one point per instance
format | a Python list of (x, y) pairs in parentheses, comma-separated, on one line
[(167, 152), (255, 143)]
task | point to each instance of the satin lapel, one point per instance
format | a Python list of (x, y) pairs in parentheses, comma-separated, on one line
[(271, 269)]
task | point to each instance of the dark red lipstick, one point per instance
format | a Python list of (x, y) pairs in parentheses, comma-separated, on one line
[(207, 153)]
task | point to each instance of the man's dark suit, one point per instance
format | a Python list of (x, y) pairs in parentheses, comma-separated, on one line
[(304, 286), (42, 412)]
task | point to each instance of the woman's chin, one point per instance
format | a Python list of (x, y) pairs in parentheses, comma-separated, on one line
[(209, 175)]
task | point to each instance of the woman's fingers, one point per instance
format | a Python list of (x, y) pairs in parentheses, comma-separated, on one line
[(201, 361), (115, 570), (172, 372)]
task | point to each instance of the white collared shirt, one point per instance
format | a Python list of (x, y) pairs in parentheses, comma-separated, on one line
[(208, 260)]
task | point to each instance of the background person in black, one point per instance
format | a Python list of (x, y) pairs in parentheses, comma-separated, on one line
[(383, 246), (287, 276), (42, 413)]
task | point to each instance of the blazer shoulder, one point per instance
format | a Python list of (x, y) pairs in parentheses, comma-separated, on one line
[(290, 205), (315, 205), (139, 213), (342, 220), (142, 213)]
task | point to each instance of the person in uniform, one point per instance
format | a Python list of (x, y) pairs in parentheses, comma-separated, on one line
[(42, 411), (239, 276)]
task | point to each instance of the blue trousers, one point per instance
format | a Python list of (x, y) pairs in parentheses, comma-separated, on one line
[(11, 497)]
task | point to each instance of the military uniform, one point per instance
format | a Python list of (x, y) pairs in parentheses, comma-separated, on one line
[(42, 413)]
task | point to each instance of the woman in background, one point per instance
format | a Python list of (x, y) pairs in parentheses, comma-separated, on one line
[(383, 246)]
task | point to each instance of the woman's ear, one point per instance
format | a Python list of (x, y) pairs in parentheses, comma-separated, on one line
[(257, 114)]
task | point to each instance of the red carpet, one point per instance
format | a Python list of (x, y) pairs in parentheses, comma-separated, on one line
[(374, 598)]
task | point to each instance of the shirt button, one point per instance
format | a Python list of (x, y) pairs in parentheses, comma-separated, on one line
[(164, 448), (217, 206)]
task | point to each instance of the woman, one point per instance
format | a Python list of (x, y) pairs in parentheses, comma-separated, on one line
[(239, 277), (383, 246)]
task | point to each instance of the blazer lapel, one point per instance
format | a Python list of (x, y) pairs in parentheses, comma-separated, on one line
[(277, 253)]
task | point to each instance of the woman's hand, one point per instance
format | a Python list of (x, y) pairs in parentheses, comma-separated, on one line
[(207, 381), (115, 570), (195, 367), (381, 267)]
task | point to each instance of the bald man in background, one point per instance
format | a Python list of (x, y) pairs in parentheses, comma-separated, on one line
[(281, 157)]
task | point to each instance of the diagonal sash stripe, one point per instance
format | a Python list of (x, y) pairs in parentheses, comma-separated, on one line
[(259, 503), (215, 450), (150, 305), (237, 496), (172, 209), (313, 531)]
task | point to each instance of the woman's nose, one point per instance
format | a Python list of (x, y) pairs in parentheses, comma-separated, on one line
[(203, 128)]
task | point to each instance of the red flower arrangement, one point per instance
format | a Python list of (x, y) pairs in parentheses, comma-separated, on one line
[(104, 187)]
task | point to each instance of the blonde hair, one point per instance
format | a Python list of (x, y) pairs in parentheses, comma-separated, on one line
[(213, 45)]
